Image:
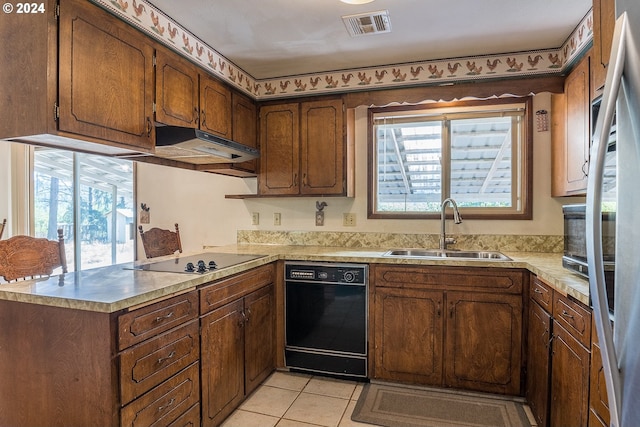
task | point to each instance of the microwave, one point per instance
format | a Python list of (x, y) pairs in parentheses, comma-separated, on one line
[(575, 244)]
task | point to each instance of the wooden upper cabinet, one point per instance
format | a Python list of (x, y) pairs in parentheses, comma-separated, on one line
[(279, 149), (245, 125), (303, 148), (604, 20), (215, 107), (322, 147), (105, 77), (571, 133), (186, 97), (177, 90)]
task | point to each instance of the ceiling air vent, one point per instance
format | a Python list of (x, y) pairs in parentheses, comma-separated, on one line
[(368, 23)]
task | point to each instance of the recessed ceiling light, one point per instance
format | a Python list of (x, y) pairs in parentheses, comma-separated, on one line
[(356, 1)]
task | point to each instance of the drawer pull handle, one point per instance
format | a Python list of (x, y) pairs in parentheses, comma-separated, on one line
[(163, 359), (537, 291), (565, 313), (161, 318), (162, 408)]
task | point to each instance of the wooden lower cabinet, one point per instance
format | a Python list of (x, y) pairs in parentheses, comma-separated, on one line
[(569, 380), (598, 400), (433, 326), (409, 335), (558, 362), (238, 352), (483, 342), (538, 363)]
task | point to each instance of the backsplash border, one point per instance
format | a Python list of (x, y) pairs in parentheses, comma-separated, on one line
[(489, 242)]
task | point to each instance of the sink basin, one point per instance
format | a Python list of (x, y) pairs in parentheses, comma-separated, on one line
[(437, 253)]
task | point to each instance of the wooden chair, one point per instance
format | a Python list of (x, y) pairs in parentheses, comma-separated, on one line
[(4, 223), (158, 242), (25, 257)]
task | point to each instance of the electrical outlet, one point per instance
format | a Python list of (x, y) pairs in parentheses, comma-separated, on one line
[(255, 218), (277, 218), (349, 219)]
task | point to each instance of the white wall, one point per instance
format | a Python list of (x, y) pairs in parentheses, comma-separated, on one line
[(195, 200)]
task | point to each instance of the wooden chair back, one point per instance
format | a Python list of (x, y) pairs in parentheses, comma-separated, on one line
[(4, 223), (158, 242), (26, 257)]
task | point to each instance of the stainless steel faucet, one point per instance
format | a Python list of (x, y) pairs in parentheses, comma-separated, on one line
[(444, 240)]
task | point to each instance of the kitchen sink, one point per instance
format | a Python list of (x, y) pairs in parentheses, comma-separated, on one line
[(438, 254)]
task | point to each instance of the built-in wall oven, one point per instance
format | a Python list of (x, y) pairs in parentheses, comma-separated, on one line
[(326, 318)]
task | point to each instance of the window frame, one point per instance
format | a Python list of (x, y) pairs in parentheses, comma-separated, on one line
[(526, 213)]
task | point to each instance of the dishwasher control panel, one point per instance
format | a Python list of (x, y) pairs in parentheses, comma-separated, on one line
[(327, 272)]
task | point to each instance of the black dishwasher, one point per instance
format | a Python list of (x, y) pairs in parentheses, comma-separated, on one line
[(326, 318)]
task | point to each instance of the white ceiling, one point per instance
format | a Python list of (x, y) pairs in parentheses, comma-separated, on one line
[(275, 38)]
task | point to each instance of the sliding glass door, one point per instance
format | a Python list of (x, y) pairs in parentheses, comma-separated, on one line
[(91, 198)]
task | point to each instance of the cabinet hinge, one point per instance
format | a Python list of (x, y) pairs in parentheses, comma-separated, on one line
[(154, 60), (154, 107), (56, 11), (56, 112)]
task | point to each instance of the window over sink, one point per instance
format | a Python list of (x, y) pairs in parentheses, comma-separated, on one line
[(476, 152)]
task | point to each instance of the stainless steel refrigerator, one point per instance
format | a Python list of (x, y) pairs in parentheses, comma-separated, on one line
[(620, 344)]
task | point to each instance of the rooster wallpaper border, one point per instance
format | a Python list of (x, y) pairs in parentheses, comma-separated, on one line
[(153, 22)]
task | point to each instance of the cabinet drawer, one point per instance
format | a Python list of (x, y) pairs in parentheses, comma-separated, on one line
[(542, 293), (167, 403), (191, 418), (493, 280), (573, 317), (222, 292), (148, 364), (138, 325)]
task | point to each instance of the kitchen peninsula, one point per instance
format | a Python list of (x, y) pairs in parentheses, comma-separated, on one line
[(118, 346)]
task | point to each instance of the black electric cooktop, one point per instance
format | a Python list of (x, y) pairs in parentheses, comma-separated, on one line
[(197, 264)]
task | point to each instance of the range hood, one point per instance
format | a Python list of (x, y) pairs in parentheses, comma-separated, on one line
[(197, 147)]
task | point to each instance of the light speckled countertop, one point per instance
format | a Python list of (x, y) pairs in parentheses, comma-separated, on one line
[(110, 289)]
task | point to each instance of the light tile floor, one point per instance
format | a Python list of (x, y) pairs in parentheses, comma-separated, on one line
[(288, 399)]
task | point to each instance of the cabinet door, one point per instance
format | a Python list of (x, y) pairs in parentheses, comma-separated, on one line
[(569, 380), (215, 107), (604, 20), (259, 337), (176, 90), (408, 335), (322, 147), (279, 149), (222, 361), (245, 126), (105, 77), (483, 342), (572, 133), (598, 399), (538, 358)]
